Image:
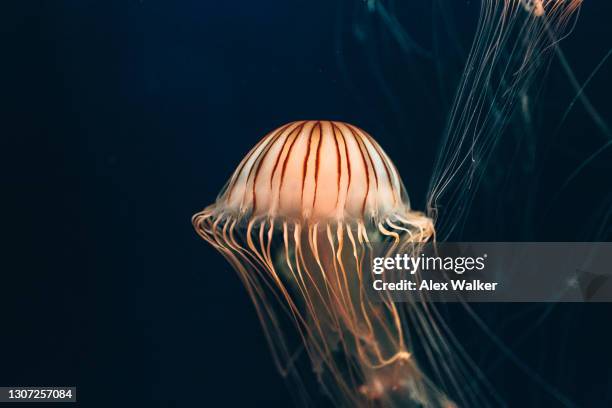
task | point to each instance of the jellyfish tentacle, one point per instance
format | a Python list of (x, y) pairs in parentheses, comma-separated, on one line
[(208, 230)]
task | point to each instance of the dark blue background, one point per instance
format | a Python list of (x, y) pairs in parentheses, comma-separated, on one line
[(126, 117)]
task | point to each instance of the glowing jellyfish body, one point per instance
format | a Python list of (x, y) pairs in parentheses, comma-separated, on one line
[(297, 220), (316, 171)]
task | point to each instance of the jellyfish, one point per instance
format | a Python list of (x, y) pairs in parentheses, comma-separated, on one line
[(298, 220), (309, 206)]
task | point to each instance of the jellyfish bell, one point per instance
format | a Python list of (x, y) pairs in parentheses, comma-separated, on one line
[(297, 221), (313, 171)]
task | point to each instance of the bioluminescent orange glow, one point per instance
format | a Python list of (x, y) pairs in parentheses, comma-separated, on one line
[(296, 221)]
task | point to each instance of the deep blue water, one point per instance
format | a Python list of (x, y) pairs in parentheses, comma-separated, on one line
[(126, 117)]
